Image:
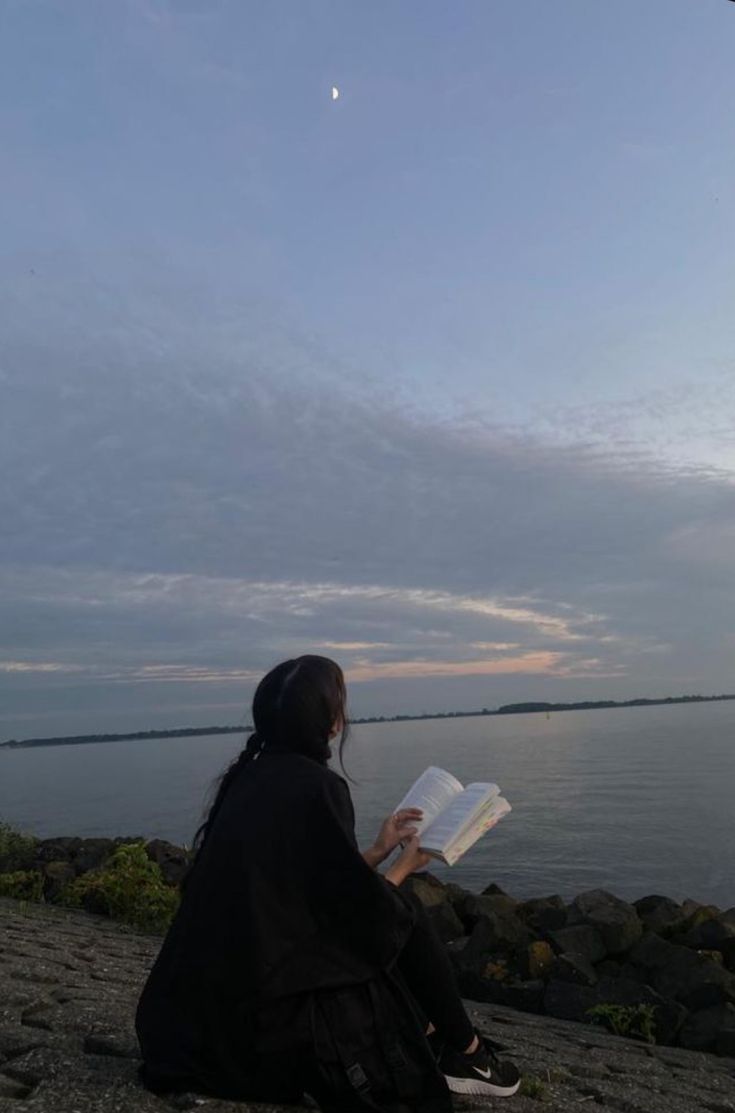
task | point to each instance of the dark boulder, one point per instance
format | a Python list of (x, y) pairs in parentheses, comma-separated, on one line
[(455, 893), (627, 970), (543, 914), (609, 968), (612, 969), (703, 1029), (653, 953), (616, 921), (56, 876), (526, 996), (85, 854), (429, 890), (57, 850), (697, 983), (710, 934), (668, 1015), (696, 913), (569, 1001), (573, 1002), (498, 902), (575, 968), (582, 939), (173, 861), (495, 933), (447, 923), (681, 973), (471, 908), (91, 854), (660, 914), (493, 890)]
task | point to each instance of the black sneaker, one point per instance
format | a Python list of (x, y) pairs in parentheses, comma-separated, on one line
[(480, 1073)]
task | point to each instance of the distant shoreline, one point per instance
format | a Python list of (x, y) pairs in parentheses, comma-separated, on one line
[(507, 709)]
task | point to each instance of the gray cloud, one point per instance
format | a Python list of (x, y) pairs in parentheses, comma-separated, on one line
[(187, 499)]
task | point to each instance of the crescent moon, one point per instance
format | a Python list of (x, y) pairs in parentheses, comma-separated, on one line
[(335, 93)]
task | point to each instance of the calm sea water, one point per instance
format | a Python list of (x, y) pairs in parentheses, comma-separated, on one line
[(636, 800)]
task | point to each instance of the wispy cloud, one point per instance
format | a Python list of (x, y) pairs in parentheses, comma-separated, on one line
[(187, 674), (528, 663), (682, 427), (38, 667)]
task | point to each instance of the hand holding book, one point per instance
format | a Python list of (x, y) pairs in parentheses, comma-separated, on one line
[(396, 829), (454, 817)]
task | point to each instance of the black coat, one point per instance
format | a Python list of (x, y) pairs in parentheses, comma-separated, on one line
[(279, 903)]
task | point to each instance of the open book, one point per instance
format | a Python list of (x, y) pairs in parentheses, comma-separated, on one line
[(455, 817)]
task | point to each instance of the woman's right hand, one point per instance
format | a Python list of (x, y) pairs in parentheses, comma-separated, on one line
[(411, 859)]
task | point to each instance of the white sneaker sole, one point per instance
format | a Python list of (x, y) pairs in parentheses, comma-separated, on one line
[(478, 1088)]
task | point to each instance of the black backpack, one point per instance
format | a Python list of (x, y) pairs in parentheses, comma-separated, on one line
[(369, 1053), (354, 1049)]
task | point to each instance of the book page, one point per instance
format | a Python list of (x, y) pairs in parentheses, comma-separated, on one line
[(462, 810), (432, 792), (491, 814)]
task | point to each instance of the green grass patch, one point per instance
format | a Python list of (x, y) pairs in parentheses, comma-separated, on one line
[(22, 885), (636, 1021), (130, 887), (17, 851), (535, 1088)]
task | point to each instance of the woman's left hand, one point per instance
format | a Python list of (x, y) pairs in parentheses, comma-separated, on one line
[(396, 829)]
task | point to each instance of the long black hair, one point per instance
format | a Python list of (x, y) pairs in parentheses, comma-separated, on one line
[(295, 707)]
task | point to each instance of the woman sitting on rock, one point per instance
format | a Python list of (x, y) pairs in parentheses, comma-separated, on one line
[(293, 967)]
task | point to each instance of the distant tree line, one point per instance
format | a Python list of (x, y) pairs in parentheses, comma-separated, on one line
[(81, 739), (506, 709), (597, 705)]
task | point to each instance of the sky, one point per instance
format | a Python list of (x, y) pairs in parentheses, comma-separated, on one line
[(436, 379)]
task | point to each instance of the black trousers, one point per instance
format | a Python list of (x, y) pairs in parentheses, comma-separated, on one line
[(427, 971)]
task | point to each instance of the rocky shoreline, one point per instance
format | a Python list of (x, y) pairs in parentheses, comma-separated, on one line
[(62, 860), (657, 970)]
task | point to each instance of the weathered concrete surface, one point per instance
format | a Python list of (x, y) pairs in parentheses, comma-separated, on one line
[(69, 983)]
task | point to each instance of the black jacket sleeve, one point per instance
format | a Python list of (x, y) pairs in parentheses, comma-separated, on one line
[(374, 914)]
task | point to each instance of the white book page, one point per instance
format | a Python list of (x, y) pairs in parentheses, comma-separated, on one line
[(459, 814), (491, 814), (432, 792)]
